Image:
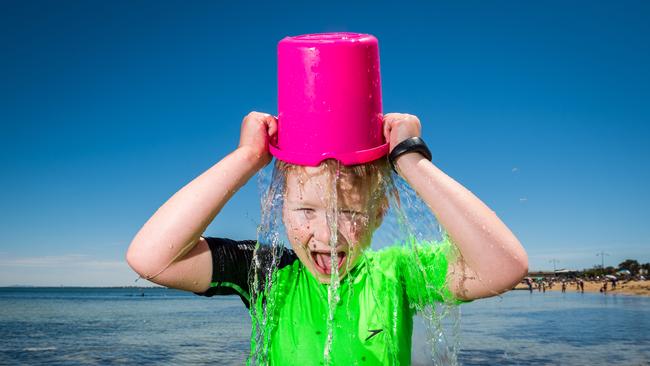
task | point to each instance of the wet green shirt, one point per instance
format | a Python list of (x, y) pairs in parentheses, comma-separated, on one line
[(372, 321)]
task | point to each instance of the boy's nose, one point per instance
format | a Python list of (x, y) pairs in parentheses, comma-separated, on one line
[(322, 233)]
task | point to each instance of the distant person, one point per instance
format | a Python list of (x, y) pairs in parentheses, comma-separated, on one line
[(582, 286), (563, 286)]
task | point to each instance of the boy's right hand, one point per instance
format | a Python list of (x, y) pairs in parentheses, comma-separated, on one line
[(257, 129)]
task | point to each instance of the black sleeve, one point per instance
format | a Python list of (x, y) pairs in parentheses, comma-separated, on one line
[(231, 262), (231, 265)]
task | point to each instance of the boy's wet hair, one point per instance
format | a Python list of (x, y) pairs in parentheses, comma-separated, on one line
[(373, 177)]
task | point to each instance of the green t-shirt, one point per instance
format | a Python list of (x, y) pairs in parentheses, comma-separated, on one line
[(372, 321)]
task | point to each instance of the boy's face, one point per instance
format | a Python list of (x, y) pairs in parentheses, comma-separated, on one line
[(307, 204)]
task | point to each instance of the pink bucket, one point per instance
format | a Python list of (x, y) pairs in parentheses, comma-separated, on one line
[(329, 99)]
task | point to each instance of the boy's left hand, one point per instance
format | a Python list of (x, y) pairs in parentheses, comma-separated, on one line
[(399, 127)]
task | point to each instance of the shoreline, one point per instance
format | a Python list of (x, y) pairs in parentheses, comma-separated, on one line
[(632, 288)]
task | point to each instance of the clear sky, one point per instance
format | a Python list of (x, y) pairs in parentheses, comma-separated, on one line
[(107, 108)]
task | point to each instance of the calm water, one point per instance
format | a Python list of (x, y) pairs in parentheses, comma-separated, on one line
[(67, 326)]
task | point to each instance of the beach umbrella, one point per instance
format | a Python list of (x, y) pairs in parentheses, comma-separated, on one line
[(624, 271), (611, 277)]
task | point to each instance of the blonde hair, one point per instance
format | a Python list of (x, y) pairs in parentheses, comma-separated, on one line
[(372, 177)]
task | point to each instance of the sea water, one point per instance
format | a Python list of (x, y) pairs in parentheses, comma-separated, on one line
[(105, 326)]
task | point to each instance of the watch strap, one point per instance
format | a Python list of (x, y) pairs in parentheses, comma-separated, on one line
[(413, 144)]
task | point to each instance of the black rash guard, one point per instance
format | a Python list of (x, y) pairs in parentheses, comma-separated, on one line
[(231, 266)]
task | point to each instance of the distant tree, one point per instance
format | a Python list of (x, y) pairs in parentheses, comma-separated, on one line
[(631, 265), (610, 270), (592, 272)]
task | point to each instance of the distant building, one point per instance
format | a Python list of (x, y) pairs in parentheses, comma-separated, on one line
[(558, 273)]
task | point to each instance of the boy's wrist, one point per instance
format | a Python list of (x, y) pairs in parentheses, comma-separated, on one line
[(408, 159), (253, 158)]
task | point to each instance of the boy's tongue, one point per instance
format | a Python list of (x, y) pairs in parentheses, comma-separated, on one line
[(324, 260)]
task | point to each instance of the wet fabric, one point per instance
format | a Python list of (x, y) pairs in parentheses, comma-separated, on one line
[(373, 320), (231, 263)]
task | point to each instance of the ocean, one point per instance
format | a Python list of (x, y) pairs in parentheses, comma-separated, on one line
[(157, 326)]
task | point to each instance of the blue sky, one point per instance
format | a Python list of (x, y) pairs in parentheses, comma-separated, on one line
[(108, 108)]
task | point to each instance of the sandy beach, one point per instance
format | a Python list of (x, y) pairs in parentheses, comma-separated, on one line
[(641, 288)]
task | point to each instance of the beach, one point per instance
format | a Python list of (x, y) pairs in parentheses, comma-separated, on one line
[(639, 288)]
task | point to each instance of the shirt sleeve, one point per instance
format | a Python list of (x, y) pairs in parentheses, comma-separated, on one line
[(424, 267), (231, 263)]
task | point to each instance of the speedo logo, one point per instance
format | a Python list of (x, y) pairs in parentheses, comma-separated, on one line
[(373, 332)]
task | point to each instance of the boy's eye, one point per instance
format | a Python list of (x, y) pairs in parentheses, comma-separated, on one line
[(353, 215), (308, 212)]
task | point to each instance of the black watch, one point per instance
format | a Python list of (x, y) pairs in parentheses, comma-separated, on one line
[(413, 144)]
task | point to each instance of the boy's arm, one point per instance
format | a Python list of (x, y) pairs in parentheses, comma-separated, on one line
[(169, 249), (492, 259)]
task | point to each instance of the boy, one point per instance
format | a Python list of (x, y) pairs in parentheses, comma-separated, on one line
[(169, 250)]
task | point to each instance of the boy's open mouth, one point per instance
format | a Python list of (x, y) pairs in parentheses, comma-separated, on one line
[(323, 261)]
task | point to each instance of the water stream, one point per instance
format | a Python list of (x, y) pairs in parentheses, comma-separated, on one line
[(407, 224)]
